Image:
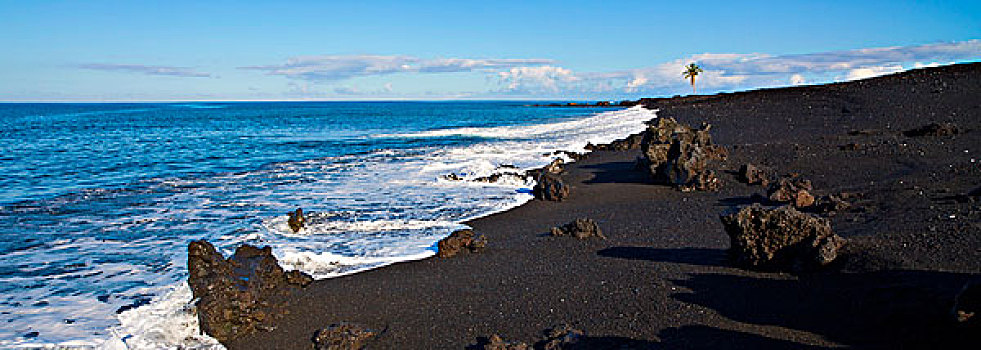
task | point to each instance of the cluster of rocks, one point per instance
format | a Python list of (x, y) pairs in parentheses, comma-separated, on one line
[(460, 240), (239, 295), (562, 337), (342, 336), (782, 239), (679, 155), (579, 228), (791, 189)]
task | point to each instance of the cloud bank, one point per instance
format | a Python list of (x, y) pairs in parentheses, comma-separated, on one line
[(729, 71), (333, 68), (146, 69)]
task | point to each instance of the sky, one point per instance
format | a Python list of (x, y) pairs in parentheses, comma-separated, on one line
[(429, 50)]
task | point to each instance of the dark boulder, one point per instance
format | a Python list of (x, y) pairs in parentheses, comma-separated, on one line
[(550, 187), (933, 129), (460, 240), (296, 220), (580, 228), (794, 190), (753, 175), (239, 295), (830, 205), (780, 239), (343, 336), (680, 156)]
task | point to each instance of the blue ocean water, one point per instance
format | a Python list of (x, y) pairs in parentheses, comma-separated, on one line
[(98, 201)]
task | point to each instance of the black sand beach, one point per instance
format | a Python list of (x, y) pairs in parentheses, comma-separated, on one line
[(662, 278)]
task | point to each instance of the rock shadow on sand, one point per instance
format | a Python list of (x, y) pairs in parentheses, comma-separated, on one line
[(690, 256), (909, 309), (618, 172)]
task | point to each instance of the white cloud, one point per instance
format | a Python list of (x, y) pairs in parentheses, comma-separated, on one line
[(730, 71), (536, 79), (869, 72), (332, 68), (797, 79), (146, 69)]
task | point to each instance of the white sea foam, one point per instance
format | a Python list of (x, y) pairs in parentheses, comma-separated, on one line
[(364, 211)]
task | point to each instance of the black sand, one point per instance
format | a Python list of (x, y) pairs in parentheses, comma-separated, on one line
[(662, 280)]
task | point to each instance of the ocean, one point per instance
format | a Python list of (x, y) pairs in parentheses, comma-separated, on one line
[(99, 201)]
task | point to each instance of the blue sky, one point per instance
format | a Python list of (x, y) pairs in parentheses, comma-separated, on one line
[(356, 50)]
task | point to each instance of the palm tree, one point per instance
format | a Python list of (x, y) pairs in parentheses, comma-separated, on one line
[(691, 71)]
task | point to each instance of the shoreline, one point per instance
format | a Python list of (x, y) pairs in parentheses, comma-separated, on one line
[(662, 279)]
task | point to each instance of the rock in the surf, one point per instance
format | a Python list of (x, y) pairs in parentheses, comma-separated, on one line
[(296, 220), (342, 336), (579, 228), (239, 295), (780, 239), (550, 187), (460, 240)]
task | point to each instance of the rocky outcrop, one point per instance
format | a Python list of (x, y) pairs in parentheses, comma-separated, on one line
[(753, 175), (680, 156), (780, 239), (343, 336), (239, 295), (296, 220), (933, 129), (460, 240), (580, 228), (793, 190), (550, 187)]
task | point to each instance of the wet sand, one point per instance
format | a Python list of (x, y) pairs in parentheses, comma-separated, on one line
[(662, 279)]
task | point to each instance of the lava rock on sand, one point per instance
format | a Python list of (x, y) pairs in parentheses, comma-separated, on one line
[(460, 240), (680, 155), (780, 239), (239, 295), (933, 129), (580, 228), (752, 174), (792, 190), (343, 336)]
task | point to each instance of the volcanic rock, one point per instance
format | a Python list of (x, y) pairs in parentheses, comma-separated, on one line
[(342, 336), (580, 228), (780, 239), (296, 220), (459, 240), (791, 190), (550, 187), (679, 155), (241, 294), (753, 175), (933, 129)]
